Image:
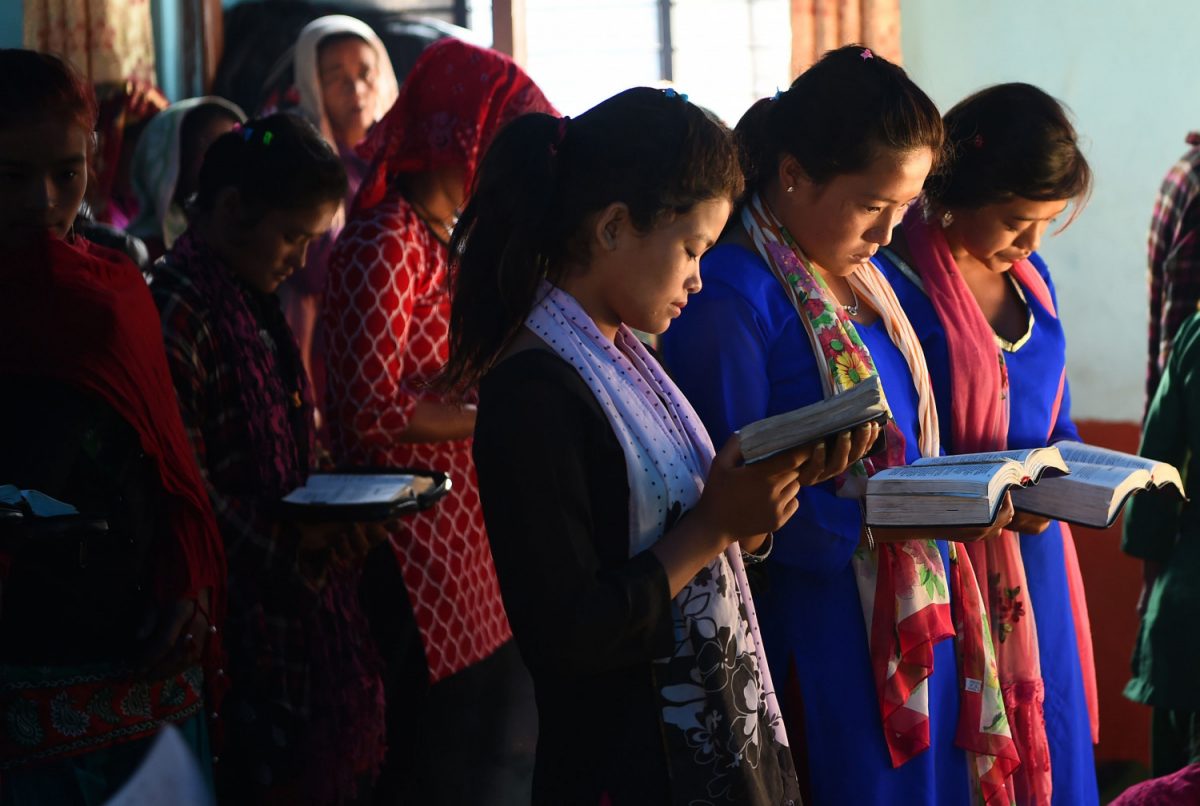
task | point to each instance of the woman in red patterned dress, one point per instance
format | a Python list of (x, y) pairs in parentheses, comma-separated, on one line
[(443, 630)]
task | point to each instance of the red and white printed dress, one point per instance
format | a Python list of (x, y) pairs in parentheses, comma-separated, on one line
[(387, 316)]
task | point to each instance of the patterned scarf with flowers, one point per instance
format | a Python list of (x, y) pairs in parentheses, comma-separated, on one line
[(907, 602)]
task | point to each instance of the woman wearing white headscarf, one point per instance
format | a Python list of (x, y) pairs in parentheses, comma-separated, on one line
[(166, 164), (346, 83)]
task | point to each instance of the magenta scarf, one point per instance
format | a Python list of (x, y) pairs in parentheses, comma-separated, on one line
[(979, 422), (266, 361)]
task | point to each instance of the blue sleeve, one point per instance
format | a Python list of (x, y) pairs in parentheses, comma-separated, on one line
[(740, 353), (1064, 427)]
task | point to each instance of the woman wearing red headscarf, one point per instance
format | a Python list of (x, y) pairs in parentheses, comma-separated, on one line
[(109, 622), (443, 629)]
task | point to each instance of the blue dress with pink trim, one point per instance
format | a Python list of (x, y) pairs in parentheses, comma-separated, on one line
[(1035, 364), (740, 352)]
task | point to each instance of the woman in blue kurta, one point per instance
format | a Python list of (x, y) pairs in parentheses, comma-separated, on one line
[(745, 349), (992, 217)]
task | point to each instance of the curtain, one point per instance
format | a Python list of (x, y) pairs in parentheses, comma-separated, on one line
[(821, 25), (110, 41)]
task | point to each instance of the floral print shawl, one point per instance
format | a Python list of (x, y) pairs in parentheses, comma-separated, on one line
[(904, 589)]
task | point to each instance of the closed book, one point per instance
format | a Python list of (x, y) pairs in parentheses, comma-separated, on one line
[(859, 405)]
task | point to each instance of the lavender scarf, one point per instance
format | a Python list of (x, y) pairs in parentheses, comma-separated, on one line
[(724, 733)]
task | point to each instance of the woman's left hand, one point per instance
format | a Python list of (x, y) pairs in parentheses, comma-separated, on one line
[(844, 450), (175, 636), (1027, 523)]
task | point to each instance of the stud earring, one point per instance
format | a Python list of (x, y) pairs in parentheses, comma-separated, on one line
[(791, 188), (947, 219)]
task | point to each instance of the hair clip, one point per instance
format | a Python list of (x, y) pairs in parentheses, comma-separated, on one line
[(560, 134), (247, 133), (978, 141), (671, 93), (866, 54), (267, 137), (778, 94)]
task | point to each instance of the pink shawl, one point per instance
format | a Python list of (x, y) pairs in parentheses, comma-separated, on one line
[(979, 422)]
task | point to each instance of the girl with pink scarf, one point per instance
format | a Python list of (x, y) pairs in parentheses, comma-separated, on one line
[(980, 298)]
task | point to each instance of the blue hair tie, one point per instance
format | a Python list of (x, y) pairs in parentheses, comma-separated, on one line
[(671, 93), (778, 94)]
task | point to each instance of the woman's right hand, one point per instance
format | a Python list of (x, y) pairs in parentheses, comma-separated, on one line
[(742, 503), (741, 500), (747, 500)]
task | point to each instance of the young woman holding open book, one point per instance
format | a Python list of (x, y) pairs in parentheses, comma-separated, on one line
[(619, 535), (305, 708), (966, 269), (792, 312)]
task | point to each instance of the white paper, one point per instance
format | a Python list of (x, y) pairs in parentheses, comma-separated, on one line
[(170, 774), (352, 488)]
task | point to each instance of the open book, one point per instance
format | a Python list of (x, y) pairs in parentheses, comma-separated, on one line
[(963, 490), (1100, 483), (856, 406), (363, 496), (37, 504)]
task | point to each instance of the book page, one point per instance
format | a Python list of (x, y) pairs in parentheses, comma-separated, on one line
[(169, 773), (1021, 456), (1099, 476), (1035, 461), (45, 506), (980, 479), (1075, 452), (351, 488), (980, 470)]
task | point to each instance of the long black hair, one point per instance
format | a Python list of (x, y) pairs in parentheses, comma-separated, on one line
[(280, 162), (1011, 140), (836, 118), (538, 183)]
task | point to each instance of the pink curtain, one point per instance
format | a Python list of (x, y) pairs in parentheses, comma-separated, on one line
[(821, 25), (108, 40)]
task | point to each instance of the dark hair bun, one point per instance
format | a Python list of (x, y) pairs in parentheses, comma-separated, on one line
[(277, 162), (837, 117)]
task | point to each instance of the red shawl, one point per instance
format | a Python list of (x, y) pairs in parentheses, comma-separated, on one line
[(979, 423), (82, 314), (455, 100)]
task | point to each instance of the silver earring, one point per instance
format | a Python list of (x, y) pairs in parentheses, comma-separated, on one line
[(947, 219), (791, 188)]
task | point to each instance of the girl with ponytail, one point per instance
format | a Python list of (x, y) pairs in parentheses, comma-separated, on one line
[(303, 719), (620, 536)]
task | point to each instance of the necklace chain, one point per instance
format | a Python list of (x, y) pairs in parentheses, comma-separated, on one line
[(434, 221), (851, 309)]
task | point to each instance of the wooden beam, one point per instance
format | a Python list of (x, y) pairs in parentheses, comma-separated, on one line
[(214, 39), (508, 29)]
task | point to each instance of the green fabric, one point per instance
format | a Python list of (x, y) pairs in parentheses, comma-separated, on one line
[(1166, 660), (1174, 741), (91, 779)]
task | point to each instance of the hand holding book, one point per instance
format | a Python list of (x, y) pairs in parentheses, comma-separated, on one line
[(742, 502), (341, 545)]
